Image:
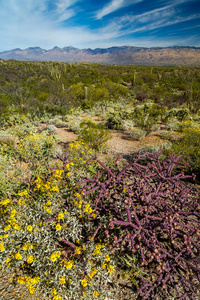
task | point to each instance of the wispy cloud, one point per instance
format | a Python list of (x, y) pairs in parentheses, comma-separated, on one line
[(113, 6), (46, 23), (64, 9), (151, 20)]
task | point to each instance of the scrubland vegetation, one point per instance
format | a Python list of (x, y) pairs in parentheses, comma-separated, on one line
[(74, 226)]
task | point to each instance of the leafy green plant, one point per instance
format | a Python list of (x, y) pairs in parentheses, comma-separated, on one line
[(188, 147), (94, 135)]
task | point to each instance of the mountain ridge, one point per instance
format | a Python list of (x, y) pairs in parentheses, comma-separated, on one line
[(123, 55)]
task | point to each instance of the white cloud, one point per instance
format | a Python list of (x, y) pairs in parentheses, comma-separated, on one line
[(113, 6)]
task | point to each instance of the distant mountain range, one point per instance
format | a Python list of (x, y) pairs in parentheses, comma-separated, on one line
[(125, 55)]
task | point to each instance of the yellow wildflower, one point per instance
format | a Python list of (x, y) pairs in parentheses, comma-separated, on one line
[(53, 292), (92, 273), (18, 255), (97, 250), (29, 228), (35, 280), (67, 264), (7, 260), (13, 213), (62, 280), (111, 269), (21, 279), (5, 202), (2, 246), (84, 282), (58, 226), (78, 250), (17, 227), (88, 208), (29, 259), (31, 289), (53, 257), (107, 258), (7, 228), (95, 294), (57, 298), (60, 216)]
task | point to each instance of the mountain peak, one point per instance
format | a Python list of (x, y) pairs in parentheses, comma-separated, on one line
[(124, 55)]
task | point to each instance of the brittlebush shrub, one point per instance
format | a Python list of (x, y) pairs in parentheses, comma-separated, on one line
[(46, 231)]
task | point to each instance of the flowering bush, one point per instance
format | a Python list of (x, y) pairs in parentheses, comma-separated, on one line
[(36, 146), (45, 231)]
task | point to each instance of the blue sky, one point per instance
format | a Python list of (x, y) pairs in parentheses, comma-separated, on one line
[(98, 23)]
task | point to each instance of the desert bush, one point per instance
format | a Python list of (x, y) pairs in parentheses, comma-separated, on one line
[(172, 124), (155, 148), (6, 139), (73, 123), (51, 128), (137, 134), (149, 211), (179, 113), (187, 125), (36, 147), (114, 121), (127, 125), (147, 115), (189, 147), (94, 135), (46, 231)]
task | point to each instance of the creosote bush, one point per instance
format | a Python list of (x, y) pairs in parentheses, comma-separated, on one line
[(150, 211)]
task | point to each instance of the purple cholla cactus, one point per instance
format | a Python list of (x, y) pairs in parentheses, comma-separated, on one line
[(151, 211)]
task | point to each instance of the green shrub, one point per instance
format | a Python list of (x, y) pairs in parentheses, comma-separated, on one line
[(93, 135), (147, 115), (114, 121), (189, 147)]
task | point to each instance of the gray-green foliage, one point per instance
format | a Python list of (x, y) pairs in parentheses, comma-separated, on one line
[(137, 134), (179, 113)]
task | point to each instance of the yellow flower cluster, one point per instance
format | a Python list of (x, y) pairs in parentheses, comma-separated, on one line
[(2, 246), (30, 282), (104, 265), (29, 259), (27, 246), (88, 208), (62, 280), (12, 222), (46, 187), (5, 202), (97, 250), (78, 201), (24, 196), (92, 273), (54, 256), (67, 264)]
